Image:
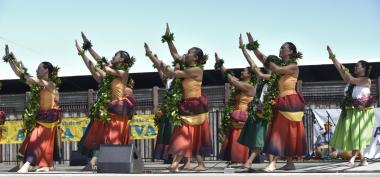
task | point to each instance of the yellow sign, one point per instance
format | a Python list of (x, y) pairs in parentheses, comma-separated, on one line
[(142, 127)]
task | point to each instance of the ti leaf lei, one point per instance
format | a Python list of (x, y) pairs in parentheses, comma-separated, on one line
[(273, 91), (173, 97)]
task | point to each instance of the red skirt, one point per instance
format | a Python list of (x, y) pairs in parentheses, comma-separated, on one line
[(118, 130), (38, 148), (191, 140), (96, 135), (286, 137), (231, 150)]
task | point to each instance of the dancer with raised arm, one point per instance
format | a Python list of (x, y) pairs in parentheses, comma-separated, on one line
[(283, 105), (355, 125), (114, 106), (255, 129), (188, 107), (235, 113), (42, 116)]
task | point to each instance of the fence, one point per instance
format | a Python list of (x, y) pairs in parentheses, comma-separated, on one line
[(77, 104)]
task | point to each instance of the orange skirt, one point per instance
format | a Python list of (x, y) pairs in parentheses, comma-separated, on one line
[(118, 130), (190, 140), (41, 146), (231, 150)]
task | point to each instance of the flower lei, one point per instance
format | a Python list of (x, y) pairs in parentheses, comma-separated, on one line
[(167, 38), (273, 91)]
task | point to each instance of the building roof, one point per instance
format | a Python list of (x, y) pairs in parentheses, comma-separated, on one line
[(308, 73)]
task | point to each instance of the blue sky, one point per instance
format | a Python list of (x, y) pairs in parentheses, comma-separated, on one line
[(41, 30)]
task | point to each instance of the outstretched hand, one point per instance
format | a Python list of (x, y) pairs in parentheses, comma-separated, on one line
[(241, 44), (250, 38), (84, 37), (331, 54), (77, 46), (6, 49), (217, 59), (147, 49), (167, 32)]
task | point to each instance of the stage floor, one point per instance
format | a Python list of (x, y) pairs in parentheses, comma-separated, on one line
[(307, 169)]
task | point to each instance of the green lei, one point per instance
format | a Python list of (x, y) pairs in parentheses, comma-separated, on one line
[(100, 107), (273, 91), (230, 106), (347, 100), (173, 97)]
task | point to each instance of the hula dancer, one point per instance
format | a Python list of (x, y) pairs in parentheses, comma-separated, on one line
[(235, 114), (283, 106), (41, 118), (114, 107), (355, 125), (255, 129), (191, 135), (162, 119)]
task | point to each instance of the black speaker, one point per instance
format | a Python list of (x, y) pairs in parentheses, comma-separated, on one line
[(77, 159), (119, 159)]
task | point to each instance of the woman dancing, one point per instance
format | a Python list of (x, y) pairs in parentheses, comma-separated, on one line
[(355, 125), (41, 118)]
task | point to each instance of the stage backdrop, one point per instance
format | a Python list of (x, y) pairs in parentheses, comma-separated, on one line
[(321, 116), (142, 127)]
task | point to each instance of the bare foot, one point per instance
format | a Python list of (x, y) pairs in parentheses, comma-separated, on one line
[(288, 167), (185, 167), (200, 168), (351, 163), (43, 169), (247, 165), (269, 168), (363, 162), (25, 168)]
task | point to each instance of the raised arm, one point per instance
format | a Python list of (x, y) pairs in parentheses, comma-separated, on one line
[(253, 65), (11, 59), (172, 48), (284, 70), (256, 51), (96, 73), (341, 69), (157, 63), (88, 46)]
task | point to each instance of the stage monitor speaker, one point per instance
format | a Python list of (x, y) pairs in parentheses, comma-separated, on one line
[(119, 159), (77, 159)]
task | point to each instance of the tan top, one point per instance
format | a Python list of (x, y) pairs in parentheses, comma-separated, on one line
[(118, 89), (242, 101), (47, 99), (287, 85), (191, 88)]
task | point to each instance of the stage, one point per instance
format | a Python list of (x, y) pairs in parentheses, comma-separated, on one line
[(307, 169)]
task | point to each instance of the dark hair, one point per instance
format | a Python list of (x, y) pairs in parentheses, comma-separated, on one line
[(48, 66), (202, 58), (367, 67), (295, 53), (124, 55), (250, 71)]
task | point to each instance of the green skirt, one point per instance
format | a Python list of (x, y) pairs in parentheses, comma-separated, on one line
[(354, 129), (253, 133)]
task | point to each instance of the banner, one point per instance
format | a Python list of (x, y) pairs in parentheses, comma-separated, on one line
[(321, 116), (142, 127)]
